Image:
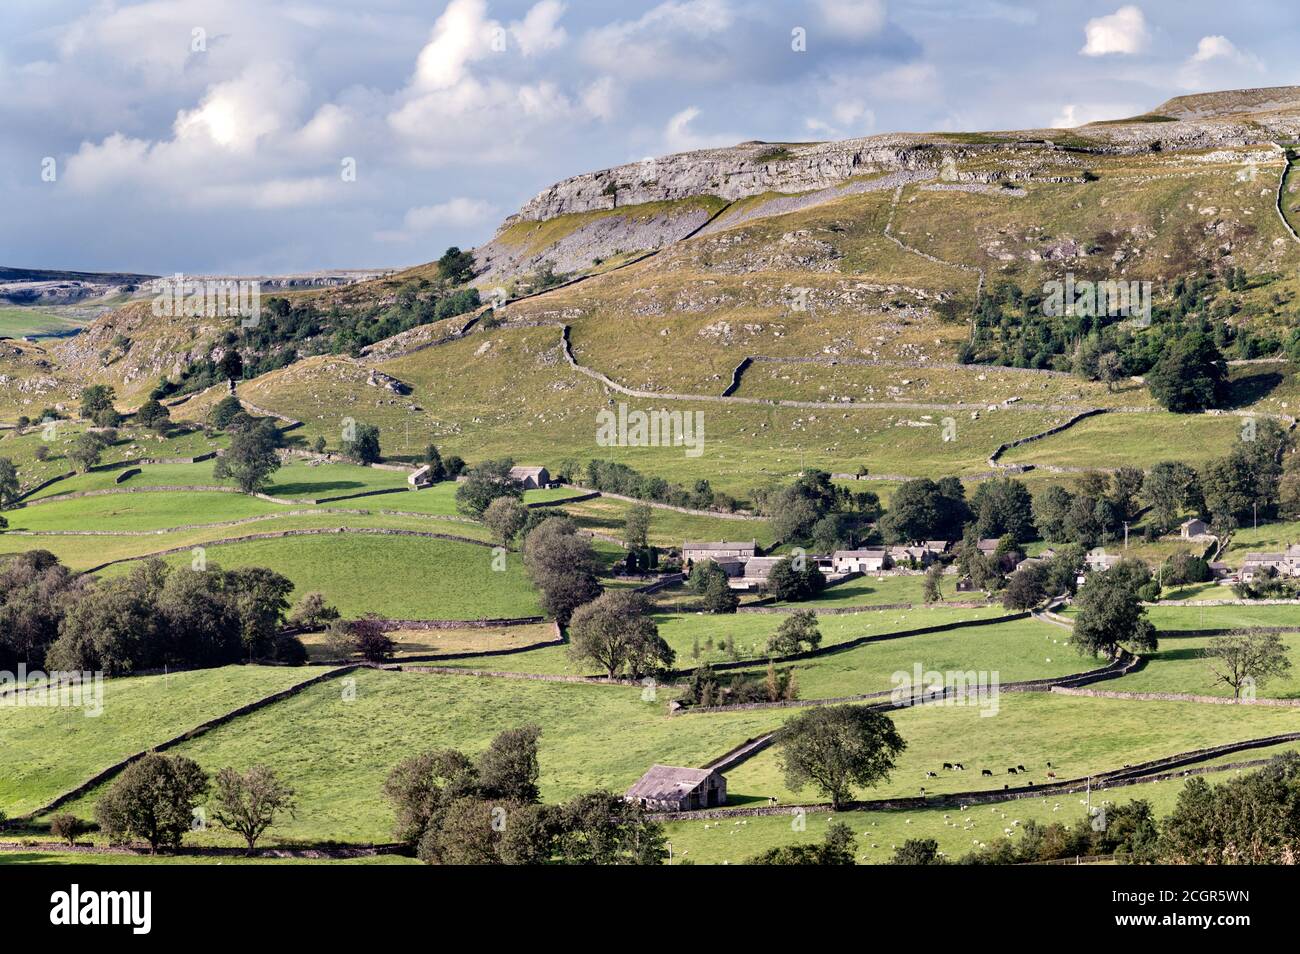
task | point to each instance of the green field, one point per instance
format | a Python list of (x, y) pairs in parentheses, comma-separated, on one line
[(32, 322), (1078, 735), (1177, 666), (336, 752), (396, 577), (49, 749)]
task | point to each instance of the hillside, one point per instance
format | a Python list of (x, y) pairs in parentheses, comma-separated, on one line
[(811, 298)]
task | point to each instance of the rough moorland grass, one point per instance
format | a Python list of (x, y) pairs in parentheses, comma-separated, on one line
[(1078, 735), (396, 577), (83, 552), (336, 752), (1178, 666), (49, 749)]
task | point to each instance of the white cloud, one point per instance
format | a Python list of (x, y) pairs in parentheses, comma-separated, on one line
[(854, 19), (602, 98), (1217, 63), (238, 113), (1124, 32), (680, 137), (460, 36), (539, 31), (459, 213), (673, 39)]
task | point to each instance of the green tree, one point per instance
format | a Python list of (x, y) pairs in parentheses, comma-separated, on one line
[(1110, 611), (918, 851), (506, 517), (1246, 658), (248, 803), (363, 445), (797, 632), (154, 415), (838, 748), (932, 588), (838, 847), (1172, 487), (251, 458), (86, 451), (1191, 376), (457, 267), (636, 527), (96, 398), (10, 489), (561, 564), (616, 632), (154, 799), (484, 484)]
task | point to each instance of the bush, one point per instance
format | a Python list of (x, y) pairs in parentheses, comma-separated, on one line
[(66, 826)]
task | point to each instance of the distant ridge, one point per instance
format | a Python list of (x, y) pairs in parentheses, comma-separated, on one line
[(1229, 102)]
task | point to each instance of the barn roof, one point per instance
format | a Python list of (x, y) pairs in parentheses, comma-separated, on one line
[(735, 545), (526, 471), (668, 782)]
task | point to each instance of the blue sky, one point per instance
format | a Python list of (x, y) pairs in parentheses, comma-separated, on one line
[(216, 135)]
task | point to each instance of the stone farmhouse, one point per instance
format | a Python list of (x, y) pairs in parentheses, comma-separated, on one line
[(1257, 565), (861, 561), (533, 478), (669, 788), (718, 552), (1194, 529)]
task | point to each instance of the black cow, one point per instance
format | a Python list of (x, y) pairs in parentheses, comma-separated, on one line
[(988, 772)]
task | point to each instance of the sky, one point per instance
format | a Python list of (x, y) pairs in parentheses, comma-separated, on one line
[(271, 136)]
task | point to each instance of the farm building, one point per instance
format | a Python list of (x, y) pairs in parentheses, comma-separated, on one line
[(861, 561), (1194, 529), (668, 788), (718, 552), (420, 477), (1272, 564), (533, 478), (755, 573)]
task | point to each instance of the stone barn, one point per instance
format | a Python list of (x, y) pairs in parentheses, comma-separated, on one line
[(533, 478), (669, 788)]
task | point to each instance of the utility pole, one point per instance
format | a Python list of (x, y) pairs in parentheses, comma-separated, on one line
[(1125, 534)]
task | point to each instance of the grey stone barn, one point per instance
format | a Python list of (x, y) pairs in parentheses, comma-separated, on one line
[(533, 478), (668, 788)]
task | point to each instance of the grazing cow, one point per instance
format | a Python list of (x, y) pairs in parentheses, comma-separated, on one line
[(1011, 771), (1049, 764), (931, 775), (986, 772), (1020, 767), (947, 766), (1051, 775), (959, 767), (1031, 783)]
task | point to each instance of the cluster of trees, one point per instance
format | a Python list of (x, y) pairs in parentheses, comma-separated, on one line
[(709, 582), (253, 455), (156, 799), (485, 483), (615, 478), (1181, 354), (1094, 513), (1110, 611), (706, 688), (454, 809), (1251, 819), (152, 617), (813, 510)]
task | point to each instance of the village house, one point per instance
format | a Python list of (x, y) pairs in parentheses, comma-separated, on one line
[(668, 788), (1098, 559), (1194, 529), (907, 556), (532, 478), (718, 552), (861, 561), (1271, 564)]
